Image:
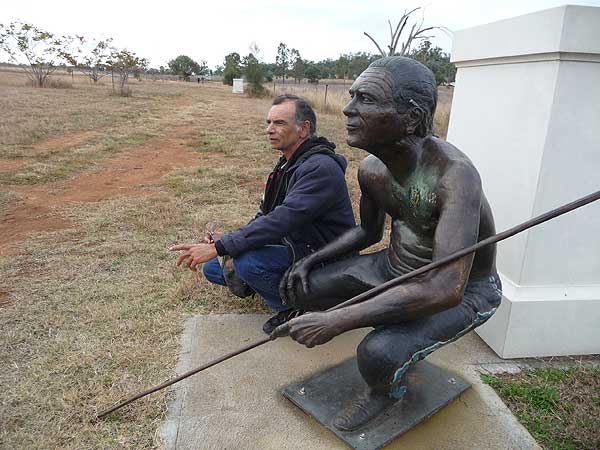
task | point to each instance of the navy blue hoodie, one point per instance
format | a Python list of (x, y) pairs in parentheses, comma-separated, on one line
[(311, 209)]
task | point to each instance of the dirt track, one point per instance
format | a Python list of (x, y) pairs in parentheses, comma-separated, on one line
[(132, 174)]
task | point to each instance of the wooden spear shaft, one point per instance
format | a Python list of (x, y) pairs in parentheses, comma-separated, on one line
[(377, 290)]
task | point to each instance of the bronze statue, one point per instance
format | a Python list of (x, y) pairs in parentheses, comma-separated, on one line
[(433, 194)]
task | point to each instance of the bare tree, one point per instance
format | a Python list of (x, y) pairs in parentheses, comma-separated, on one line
[(92, 57), (122, 63), (42, 50), (416, 32), (282, 60)]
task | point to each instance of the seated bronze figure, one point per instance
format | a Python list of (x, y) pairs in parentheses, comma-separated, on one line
[(433, 194)]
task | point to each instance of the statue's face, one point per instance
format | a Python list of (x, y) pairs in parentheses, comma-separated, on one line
[(371, 115)]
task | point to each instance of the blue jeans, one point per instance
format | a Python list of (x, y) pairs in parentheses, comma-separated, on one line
[(262, 269)]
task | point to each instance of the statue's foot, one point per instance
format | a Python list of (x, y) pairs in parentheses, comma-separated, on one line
[(364, 409)]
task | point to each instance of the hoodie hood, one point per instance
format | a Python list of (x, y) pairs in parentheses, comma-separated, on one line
[(316, 145)]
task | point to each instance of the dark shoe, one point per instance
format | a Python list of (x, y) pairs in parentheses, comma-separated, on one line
[(280, 318)]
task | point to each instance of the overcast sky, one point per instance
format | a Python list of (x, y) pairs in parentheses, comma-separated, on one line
[(209, 30)]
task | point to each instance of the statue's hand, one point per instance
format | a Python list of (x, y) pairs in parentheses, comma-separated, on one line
[(311, 329), (297, 273)]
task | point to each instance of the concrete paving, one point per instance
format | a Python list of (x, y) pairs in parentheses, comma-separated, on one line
[(238, 404)]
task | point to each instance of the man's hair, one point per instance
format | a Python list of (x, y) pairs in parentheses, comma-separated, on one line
[(414, 87), (303, 110)]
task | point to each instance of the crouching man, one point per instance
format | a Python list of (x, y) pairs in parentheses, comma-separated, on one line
[(305, 206), (433, 194)]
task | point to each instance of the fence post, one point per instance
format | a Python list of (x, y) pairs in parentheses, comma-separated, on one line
[(326, 86)]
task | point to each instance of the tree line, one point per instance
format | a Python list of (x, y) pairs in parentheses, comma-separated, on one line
[(406, 32), (289, 65), (44, 52), (40, 53)]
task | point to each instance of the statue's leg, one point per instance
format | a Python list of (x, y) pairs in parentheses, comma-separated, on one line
[(334, 283), (387, 353)]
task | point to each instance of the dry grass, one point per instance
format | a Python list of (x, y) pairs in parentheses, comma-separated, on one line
[(94, 312), (42, 127)]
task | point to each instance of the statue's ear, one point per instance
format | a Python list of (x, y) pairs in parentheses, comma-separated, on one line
[(415, 117)]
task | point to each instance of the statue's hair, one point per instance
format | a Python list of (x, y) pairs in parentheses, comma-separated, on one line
[(414, 86), (303, 110)]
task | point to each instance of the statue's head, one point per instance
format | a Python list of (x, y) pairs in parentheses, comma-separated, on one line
[(393, 98)]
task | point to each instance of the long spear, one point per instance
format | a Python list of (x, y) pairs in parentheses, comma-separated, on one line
[(376, 290)]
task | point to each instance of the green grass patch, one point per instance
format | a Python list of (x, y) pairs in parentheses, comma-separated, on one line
[(560, 408)]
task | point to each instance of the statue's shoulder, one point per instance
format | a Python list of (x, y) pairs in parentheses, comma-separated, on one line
[(371, 172), (371, 166), (449, 158)]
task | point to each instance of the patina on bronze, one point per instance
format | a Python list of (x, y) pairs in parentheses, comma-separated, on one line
[(284, 330)]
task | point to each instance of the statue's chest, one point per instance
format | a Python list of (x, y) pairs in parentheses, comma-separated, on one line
[(415, 201)]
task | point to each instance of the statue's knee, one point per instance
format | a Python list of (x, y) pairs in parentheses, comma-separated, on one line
[(378, 359), (300, 300)]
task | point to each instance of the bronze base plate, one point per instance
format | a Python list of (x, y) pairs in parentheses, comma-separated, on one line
[(322, 396)]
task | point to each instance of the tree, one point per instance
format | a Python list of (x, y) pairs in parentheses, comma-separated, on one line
[(436, 60), (255, 74), (313, 73), (270, 71), (416, 32), (282, 60), (232, 69), (43, 51), (327, 68), (341, 67), (92, 57), (184, 67), (219, 70), (358, 62), (298, 65), (122, 62)]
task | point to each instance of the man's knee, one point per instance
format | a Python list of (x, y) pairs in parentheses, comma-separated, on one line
[(212, 271), (247, 266)]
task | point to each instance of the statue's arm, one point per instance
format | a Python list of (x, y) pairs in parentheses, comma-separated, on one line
[(369, 232), (372, 218), (459, 200)]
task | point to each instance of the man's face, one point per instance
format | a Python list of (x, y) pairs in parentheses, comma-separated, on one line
[(282, 131), (371, 115)]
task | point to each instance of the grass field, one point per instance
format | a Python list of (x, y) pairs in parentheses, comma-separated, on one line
[(93, 190), (559, 407)]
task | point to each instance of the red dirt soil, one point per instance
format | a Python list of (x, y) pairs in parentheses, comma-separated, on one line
[(48, 145), (62, 141), (12, 164), (128, 176)]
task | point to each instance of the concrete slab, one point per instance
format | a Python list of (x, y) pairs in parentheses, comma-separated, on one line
[(238, 404)]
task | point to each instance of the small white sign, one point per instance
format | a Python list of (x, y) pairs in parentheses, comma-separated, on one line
[(238, 86)]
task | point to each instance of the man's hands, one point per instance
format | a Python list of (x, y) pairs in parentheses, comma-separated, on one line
[(211, 236), (297, 273), (312, 329), (194, 254)]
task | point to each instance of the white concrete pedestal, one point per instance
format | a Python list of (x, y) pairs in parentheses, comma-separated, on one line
[(526, 110)]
